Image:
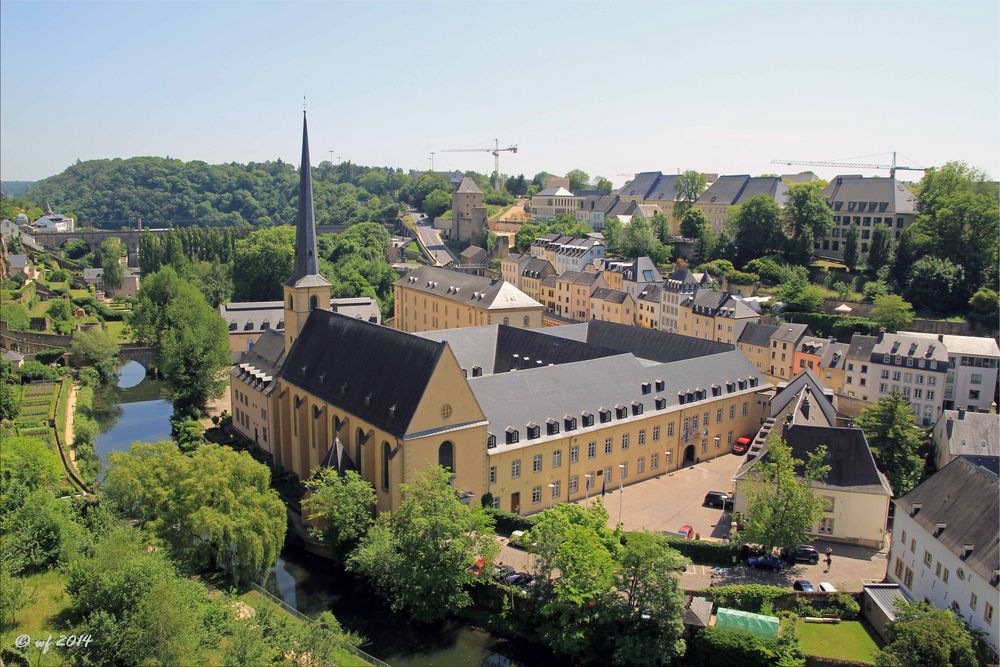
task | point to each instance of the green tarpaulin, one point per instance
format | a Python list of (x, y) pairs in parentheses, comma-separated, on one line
[(743, 621)]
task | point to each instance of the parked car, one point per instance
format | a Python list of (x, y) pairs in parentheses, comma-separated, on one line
[(518, 579), (686, 531), (742, 445), (804, 586), (772, 563), (717, 499), (748, 551), (827, 587), (517, 539), (501, 572), (478, 567), (804, 553)]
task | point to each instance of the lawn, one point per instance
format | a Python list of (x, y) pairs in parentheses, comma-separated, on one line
[(42, 618), (847, 640)]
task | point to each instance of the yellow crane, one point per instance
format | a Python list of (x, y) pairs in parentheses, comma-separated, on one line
[(496, 150), (892, 167)]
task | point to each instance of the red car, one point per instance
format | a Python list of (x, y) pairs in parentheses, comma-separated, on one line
[(687, 531), (742, 445)]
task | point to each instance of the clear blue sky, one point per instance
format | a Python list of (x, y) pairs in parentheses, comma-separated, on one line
[(608, 87)]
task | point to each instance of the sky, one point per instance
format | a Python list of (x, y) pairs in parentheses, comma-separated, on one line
[(612, 88)]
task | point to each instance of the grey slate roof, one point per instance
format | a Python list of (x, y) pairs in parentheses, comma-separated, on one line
[(806, 383), (474, 252), (572, 389), (966, 497), (374, 372), (834, 356), (557, 191), (917, 347), (260, 365), (610, 295), (972, 433), (712, 302), (579, 277), (640, 185), (665, 188), (13, 355), (536, 267), (17, 262), (658, 346), (861, 347), (651, 293), (468, 186), (872, 194), (852, 466), (467, 289), (755, 333), (737, 189), (790, 332), (642, 270), (251, 316)]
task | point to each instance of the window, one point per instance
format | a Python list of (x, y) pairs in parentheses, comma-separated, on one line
[(557, 458), (973, 394), (937, 571), (704, 446), (536, 463), (493, 474), (899, 567), (574, 453), (973, 601), (944, 575), (642, 436), (536, 495), (556, 489), (588, 419), (446, 456), (574, 484), (670, 430), (828, 503), (718, 416), (608, 445), (977, 378), (913, 545), (640, 465), (904, 538), (625, 437), (885, 373), (624, 470), (608, 476), (656, 433), (533, 430), (654, 461), (826, 526), (526, 321), (732, 412), (928, 559), (386, 453), (987, 612), (515, 469), (746, 408), (908, 578), (694, 423)]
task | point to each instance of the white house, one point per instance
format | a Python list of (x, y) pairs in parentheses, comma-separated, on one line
[(972, 370), (915, 367), (963, 433), (946, 543), (54, 222)]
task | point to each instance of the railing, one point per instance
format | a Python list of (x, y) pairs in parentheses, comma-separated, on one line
[(367, 657)]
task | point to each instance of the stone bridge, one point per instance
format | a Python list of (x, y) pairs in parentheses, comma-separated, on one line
[(30, 343), (137, 352), (94, 238)]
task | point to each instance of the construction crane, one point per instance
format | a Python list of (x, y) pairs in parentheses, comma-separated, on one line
[(496, 150), (892, 167)]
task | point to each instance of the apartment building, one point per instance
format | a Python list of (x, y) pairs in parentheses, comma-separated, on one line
[(568, 253), (730, 191), (629, 275), (678, 286), (553, 202), (594, 209), (856, 373), (914, 367), (533, 272), (754, 342), (510, 268), (612, 305), (972, 370), (867, 202), (832, 365), (433, 298), (573, 290), (945, 544), (963, 433), (648, 306), (855, 492), (713, 315)]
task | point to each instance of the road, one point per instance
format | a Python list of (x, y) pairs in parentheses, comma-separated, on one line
[(431, 238)]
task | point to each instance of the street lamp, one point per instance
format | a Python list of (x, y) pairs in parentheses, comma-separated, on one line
[(621, 490), (718, 440)]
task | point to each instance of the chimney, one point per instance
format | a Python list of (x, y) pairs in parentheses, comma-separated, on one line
[(805, 407), (961, 412), (916, 508)]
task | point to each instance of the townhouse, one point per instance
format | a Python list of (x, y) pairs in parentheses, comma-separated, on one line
[(713, 315), (972, 370), (679, 285)]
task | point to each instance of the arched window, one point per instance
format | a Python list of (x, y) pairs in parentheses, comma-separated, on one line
[(446, 455), (526, 320), (312, 302), (360, 438), (506, 321), (386, 451)]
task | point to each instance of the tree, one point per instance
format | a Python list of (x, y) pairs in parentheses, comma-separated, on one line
[(895, 441), (926, 636), (41, 533), (639, 240), (517, 186), (604, 185), (984, 305), (806, 209), (111, 251), (880, 250), (758, 229), (935, 284), (687, 188), (98, 349), (419, 557), (262, 261), (214, 506), (60, 311), (343, 502), (191, 340), (13, 596), (781, 503), (892, 312), (694, 223), (578, 179), (851, 236), (213, 279), (873, 289), (436, 203), (27, 465), (799, 295)]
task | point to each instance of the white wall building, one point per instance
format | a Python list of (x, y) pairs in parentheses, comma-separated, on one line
[(972, 370), (913, 366), (945, 544)]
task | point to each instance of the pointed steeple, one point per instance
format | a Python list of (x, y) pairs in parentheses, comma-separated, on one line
[(305, 226)]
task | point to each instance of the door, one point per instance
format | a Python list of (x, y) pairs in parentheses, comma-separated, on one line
[(515, 502), (688, 455)]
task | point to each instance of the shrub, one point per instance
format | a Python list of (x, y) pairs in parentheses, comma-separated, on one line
[(33, 370), (702, 551), (89, 377), (508, 522), (48, 356), (844, 605), (747, 597), (724, 648), (840, 327)]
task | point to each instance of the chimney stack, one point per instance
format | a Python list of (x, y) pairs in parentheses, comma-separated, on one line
[(961, 412)]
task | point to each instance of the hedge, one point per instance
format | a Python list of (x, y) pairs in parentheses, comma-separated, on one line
[(712, 647), (48, 356), (840, 327), (704, 552), (508, 522), (762, 598)]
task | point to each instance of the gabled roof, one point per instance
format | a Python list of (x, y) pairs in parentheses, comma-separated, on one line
[(738, 189), (18, 261), (659, 346), (910, 346), (373, 372), (261, 364), (578, 277), (755, 333), (790, 332), (717, 303), (978, 346), (869, 194), (852, 467), (805, 385), (474, 252), (640, 185), (558, 191), (971, 433), (256, 316), (610, 295), (477, 291), (467, 186), (537, 267), (885, 596), (966, 498), (861, 347), (665, 189), (834, 356), (651, 293)]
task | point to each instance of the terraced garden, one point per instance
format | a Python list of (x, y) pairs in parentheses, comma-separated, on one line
[(42, 410)]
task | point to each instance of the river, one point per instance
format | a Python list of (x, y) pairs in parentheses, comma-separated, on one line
[(137, 410)]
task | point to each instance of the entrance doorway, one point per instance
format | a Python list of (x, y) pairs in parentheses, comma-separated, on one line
[(688, 455), (515, 502)]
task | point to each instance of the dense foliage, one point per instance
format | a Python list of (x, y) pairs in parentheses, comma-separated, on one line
[(344, 504), (895, 440), (927, 636)]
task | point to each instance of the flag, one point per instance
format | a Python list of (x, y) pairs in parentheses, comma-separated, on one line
[(604, 489)]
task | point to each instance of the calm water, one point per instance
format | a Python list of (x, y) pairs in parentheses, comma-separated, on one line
[(313, 584), (137, 410), (134, 410)]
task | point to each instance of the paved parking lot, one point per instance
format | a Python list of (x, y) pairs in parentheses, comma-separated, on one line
[(670, 501)]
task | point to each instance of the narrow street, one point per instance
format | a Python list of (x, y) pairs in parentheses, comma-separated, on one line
[(431, 238)]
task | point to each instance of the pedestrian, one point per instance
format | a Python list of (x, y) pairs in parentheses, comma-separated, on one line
[(829, 558)]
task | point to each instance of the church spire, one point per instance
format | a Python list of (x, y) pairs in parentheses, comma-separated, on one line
[(305, 226)]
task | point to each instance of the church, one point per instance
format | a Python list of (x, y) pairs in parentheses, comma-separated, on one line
[(523, 418)]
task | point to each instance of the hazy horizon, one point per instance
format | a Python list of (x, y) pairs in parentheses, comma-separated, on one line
[(612, 89)]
